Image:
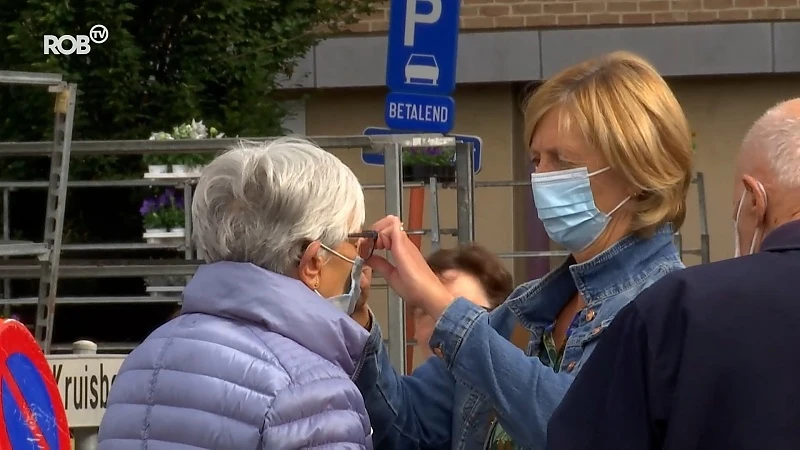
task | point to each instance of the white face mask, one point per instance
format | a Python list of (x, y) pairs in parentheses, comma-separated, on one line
[(737, 249), (348, 300)]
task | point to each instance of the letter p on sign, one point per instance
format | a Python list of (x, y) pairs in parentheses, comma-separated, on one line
[(413, 18)]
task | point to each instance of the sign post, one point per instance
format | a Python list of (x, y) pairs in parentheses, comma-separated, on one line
[(421, 65), (421, 76)]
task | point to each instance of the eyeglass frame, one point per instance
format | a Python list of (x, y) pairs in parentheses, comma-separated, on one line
[(368, 234)]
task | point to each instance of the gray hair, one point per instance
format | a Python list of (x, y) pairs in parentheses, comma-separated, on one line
[(262, 202), (776, 135)]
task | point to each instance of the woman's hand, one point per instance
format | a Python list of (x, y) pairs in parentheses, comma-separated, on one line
[(410, 276), (361, 313)]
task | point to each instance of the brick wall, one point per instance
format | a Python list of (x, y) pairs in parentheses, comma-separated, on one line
[(483, 14)]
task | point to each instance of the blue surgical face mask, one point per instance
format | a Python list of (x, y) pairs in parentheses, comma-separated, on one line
[(566, 207), (348, 300)]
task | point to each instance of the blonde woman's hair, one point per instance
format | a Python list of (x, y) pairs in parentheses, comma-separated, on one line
[(624, 109)]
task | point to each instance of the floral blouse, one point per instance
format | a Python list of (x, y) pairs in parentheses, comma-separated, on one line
[(550, 355)]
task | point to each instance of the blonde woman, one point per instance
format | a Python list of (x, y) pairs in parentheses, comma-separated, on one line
[(613, 156)]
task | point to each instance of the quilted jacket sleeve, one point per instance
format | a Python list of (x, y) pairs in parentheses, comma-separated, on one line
[(317, 415)]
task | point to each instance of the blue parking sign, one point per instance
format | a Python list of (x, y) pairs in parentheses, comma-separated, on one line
[(423, 43), (421, 64)]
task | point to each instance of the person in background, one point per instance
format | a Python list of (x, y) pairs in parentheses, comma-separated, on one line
[(705, 359), (470, 271), (612, 153), (262, 354)]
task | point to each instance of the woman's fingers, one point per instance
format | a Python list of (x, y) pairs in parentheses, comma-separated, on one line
[(390, 230), (366, 277), (386, 223), (381, 265)]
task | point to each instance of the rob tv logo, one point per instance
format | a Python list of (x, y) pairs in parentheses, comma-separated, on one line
[(80, 44)]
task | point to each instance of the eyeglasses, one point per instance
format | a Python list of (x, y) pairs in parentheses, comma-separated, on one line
[(365, 242)]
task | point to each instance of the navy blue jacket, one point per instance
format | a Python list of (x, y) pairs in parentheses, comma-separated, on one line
[(706, 358)]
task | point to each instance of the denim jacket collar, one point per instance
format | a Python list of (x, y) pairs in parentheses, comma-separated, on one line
[(607, 274)]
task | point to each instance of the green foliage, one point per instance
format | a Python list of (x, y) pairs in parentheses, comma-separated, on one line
[(431, 156), (173, 217), (165, 60), (153, 220), (155, 159)]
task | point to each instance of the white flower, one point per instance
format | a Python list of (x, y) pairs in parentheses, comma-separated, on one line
[(193, 130)]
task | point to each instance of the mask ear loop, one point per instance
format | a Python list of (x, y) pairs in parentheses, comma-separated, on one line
[(351, 261), (598, 172), (619, 205), (625, 200), (758, 228)]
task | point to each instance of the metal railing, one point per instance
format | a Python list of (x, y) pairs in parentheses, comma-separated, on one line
[(49, 250), (390, 146)]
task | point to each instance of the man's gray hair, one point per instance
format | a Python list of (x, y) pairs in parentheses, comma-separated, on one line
[(262, 202), (776, 135)]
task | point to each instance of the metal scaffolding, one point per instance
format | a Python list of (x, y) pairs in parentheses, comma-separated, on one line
[(49, 250), (391, 146)]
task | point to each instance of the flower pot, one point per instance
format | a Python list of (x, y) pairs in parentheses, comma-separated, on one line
[(195, 170), (178, 231), (179, 168), (417, 173), (155, 230), (158, 168)]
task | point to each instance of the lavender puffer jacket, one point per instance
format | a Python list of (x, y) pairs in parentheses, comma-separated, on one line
[(256, 361)]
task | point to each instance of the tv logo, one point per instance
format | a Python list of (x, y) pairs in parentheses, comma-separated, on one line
[(68, 44)]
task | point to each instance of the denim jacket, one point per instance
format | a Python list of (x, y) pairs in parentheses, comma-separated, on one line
[(450, 401)]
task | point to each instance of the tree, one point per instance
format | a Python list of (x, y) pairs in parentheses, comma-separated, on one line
[(165, 62)]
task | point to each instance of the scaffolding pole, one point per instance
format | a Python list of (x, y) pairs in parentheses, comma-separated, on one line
[(49, 250), (54, 218), (465, 193), (390, 145), (393, 173)]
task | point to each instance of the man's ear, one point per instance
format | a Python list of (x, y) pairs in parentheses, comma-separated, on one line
[(756, 200), (310, 265)]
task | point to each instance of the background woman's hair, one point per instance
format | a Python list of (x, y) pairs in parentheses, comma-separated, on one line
[(479, 262)]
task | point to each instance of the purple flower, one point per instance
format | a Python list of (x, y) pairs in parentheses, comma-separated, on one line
[(148, 206), (432, 151), (179, 201), (164, 200)]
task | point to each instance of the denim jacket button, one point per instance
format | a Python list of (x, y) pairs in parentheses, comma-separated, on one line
[(590, 315), (438, 352), (571, 367)]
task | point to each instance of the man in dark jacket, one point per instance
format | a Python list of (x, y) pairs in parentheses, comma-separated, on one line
[(707, 357)]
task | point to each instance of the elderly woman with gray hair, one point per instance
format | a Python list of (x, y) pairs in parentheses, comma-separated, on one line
[(263, 352)]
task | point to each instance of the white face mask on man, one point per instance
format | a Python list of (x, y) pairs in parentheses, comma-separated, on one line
[(737, 252)]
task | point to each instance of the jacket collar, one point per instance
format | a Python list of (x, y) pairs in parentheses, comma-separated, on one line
[(247, 293), (785, 237), (538, 302)]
